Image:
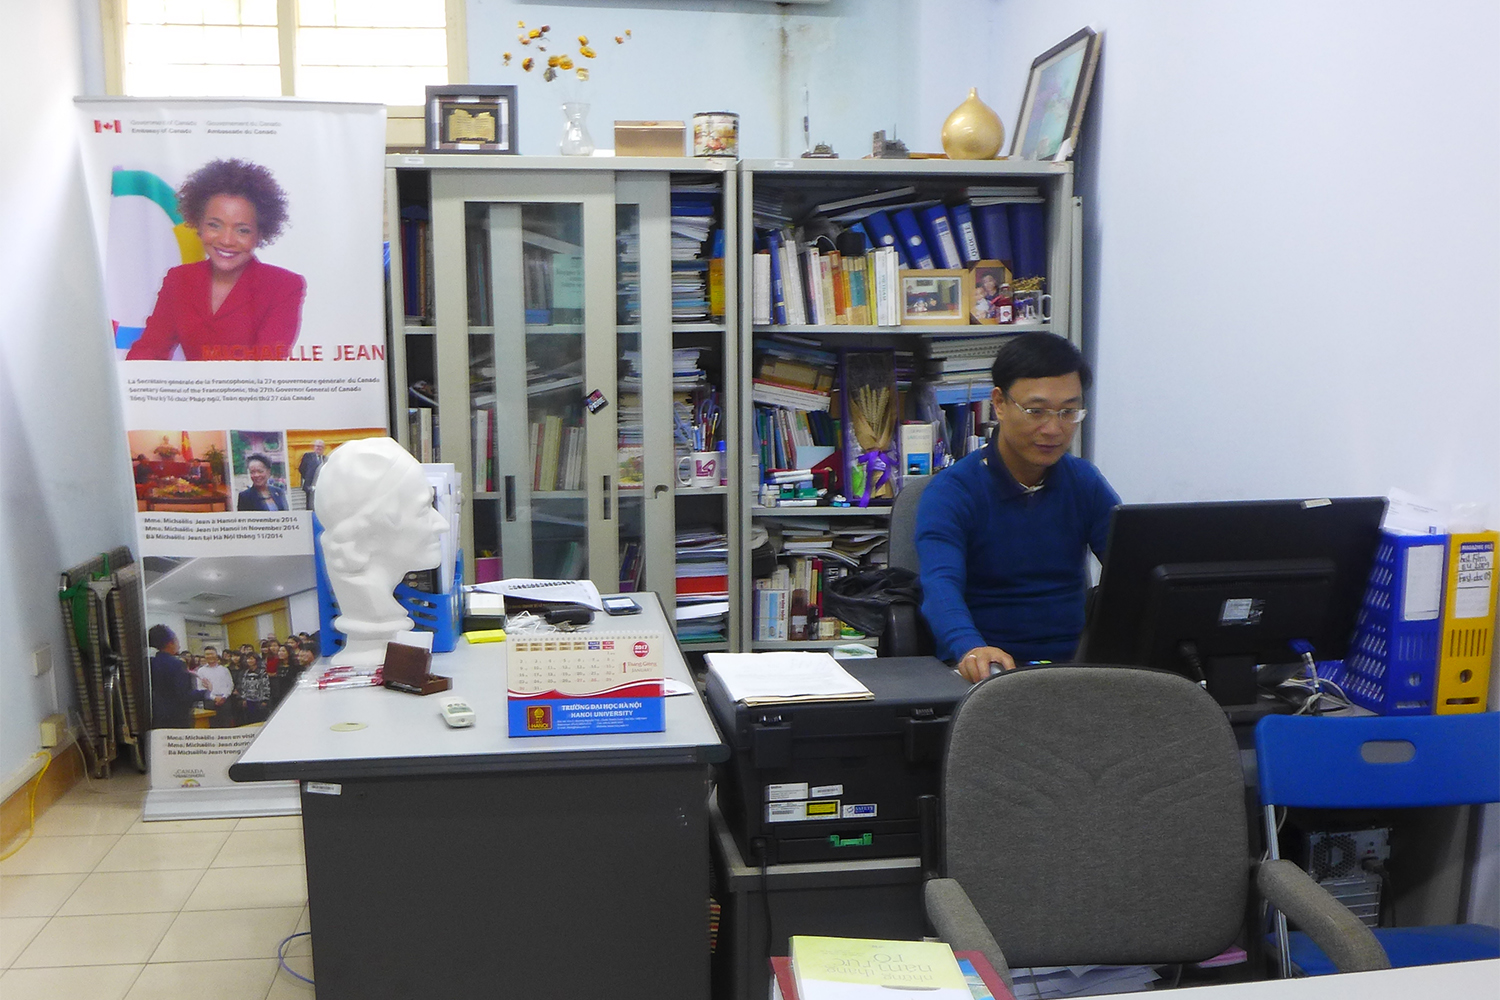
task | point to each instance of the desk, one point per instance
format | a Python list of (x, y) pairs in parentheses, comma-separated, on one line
[(462, 863), (1456, 981)]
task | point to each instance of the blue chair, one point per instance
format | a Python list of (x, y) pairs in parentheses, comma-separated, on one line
[(1380, 762)]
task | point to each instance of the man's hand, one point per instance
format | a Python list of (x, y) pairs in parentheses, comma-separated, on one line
[(976, 663)]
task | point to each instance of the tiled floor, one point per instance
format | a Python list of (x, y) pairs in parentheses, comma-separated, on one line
[(103, 905)]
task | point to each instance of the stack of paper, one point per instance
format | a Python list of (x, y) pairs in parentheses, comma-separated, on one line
[(702, 622), (628, 276), (779, 678), (1043, 982), (692, 221)]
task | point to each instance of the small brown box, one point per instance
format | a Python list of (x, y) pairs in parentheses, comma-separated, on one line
[(650, 139)]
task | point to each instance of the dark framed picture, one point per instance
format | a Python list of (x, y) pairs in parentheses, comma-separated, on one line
[(934, 297), (1056, 93), (471, 119), (992, 301)]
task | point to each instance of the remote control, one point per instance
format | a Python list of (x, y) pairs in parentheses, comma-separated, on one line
[(456, 712)]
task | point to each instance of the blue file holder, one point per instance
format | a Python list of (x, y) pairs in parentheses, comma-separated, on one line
[(440, 614), (1391, 666)]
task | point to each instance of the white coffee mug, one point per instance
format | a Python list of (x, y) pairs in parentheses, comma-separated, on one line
[(700, 469), (1033, 307)]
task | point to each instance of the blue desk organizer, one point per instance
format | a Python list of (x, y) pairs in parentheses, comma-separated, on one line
[(1391, 667), (440, 614)]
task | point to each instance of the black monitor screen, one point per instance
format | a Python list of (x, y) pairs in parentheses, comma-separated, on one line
[(1210, 590)]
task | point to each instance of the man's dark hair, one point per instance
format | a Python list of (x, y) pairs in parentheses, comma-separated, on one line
[(160, 636), (1038, 355)]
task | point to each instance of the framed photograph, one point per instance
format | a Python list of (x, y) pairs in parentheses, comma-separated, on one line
[(991, 301), (471, 119), (1056, 93), (934, 297)]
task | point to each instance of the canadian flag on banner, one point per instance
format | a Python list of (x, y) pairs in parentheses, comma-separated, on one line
[(112, 126)]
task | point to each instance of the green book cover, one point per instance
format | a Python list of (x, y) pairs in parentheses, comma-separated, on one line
[(826, 968)]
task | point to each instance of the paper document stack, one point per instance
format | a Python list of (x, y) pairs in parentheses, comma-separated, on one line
[(781, 678)]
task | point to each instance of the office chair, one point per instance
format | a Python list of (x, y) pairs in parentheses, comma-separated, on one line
[(903, 531), (1096, 815), (1380, 762), (906, 632)]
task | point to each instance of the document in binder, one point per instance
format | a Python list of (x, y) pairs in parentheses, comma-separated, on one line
[(1463, 675)]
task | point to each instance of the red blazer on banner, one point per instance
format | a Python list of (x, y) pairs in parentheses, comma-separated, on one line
[(258, 320)]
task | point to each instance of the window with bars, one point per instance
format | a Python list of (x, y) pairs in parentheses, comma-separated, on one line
[(361, 50)]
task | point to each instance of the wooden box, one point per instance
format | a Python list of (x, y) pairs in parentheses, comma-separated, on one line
[(650, 138)]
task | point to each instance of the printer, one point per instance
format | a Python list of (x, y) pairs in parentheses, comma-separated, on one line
[(837, 780)]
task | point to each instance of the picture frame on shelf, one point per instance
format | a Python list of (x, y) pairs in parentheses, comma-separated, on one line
[(471, 118), (990, 293), (935, 297), (1057, 92)]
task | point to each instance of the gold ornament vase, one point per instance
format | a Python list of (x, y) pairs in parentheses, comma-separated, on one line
[(973, 131)]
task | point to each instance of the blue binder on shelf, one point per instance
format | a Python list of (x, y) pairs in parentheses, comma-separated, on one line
[(878, 226), (913, 243), (1028, 238), (992, 227), (964, 234), (938, 229)]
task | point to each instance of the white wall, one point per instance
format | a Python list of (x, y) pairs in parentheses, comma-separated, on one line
[(686, 56), (1293, 229), (66, 484)]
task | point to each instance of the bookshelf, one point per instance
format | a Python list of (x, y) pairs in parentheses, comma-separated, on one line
[(521, 286), (784, 196)]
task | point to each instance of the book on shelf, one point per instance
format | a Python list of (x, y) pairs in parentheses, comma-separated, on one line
[(856, 201), (760, 282), (420, 429)]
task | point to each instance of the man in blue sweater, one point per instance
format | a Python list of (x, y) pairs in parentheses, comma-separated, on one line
[(1002, 534)]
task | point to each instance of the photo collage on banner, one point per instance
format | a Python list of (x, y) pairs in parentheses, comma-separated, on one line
[(241, 245)]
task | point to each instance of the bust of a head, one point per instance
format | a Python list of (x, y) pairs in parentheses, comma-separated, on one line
[(379, 524)]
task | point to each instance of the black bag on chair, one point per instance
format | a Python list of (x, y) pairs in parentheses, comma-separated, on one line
[(886, 603)]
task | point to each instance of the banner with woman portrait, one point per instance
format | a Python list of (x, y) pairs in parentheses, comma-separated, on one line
[(241, 249)]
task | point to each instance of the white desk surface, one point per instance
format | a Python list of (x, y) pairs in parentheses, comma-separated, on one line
[(404, 734), (1454, 981)]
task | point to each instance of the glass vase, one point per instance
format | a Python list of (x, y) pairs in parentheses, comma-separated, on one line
[(576, 140)]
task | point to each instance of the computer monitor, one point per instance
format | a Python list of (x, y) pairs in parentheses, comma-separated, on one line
[(1212, 590)]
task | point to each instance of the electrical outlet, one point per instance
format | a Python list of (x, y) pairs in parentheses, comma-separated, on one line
[(41, 660)]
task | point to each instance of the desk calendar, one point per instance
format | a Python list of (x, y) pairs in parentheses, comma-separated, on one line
[(571, 683)]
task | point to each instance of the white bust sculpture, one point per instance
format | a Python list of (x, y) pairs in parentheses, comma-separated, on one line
[(378, 524)]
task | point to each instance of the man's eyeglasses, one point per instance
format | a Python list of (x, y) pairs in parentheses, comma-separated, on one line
[(1068, 415)]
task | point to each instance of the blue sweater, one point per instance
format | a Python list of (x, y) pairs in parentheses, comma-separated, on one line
[(1004, 567)]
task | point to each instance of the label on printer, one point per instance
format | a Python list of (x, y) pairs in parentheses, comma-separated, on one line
[(825, 791), (786, 812), (859, 810), (788, 792)]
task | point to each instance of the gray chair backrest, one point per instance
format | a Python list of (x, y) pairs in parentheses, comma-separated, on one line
[(1097, 815), (903, 543)]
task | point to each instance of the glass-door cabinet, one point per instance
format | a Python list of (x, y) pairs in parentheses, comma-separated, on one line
[(537, 305)]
